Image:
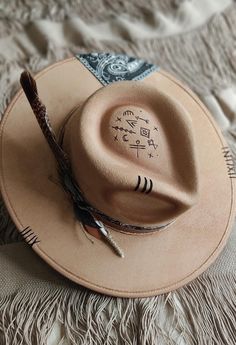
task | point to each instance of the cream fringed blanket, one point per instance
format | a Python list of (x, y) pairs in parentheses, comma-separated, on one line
[(196, 40)]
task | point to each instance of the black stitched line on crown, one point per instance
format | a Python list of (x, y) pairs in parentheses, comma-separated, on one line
[(138, 184), (229, 162), (144, 189), (29, 236), (145, 185), (150, 188)]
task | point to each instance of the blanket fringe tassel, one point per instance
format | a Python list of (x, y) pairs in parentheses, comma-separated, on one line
[(204, 312)]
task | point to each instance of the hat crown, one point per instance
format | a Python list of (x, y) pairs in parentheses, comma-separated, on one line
[(132, 153)]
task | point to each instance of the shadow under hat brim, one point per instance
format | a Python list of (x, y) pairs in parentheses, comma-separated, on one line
[(154, 263)]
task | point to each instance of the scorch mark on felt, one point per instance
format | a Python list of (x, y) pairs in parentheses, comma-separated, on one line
[(138, 147), (145, 132), (229, 162), (140, 118), (29, 236), (128, 113), (152, 143), (145, 189), (117, 128), (132, 123)]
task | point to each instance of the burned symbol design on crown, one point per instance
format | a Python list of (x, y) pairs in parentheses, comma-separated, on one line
[(145, 132), (137, 131), (128, 113), (140, 118), (137, 146)]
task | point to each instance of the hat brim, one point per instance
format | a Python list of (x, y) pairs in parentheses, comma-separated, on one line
[(154, 263)]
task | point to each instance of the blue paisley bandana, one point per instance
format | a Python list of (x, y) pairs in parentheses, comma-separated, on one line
[(108, 67)]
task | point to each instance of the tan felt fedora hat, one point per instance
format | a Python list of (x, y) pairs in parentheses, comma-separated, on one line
[(121, 181)]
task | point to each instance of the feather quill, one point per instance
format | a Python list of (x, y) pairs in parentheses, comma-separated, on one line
[(82, 209), (30, 89)]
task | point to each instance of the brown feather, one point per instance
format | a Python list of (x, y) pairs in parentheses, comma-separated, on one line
[(30, 89), (29, 86)]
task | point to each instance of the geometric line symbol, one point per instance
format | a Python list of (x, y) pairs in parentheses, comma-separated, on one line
[(123, 129), (229, 162), (140, 118), (145, 132), (128, 113), (132, 123), (29, 236), (151, 143), (137, 146), (150, 188), (125, 137), (145, 189), (145, 185)]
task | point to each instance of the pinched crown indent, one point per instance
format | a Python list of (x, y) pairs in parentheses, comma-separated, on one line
[(133, 154)]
